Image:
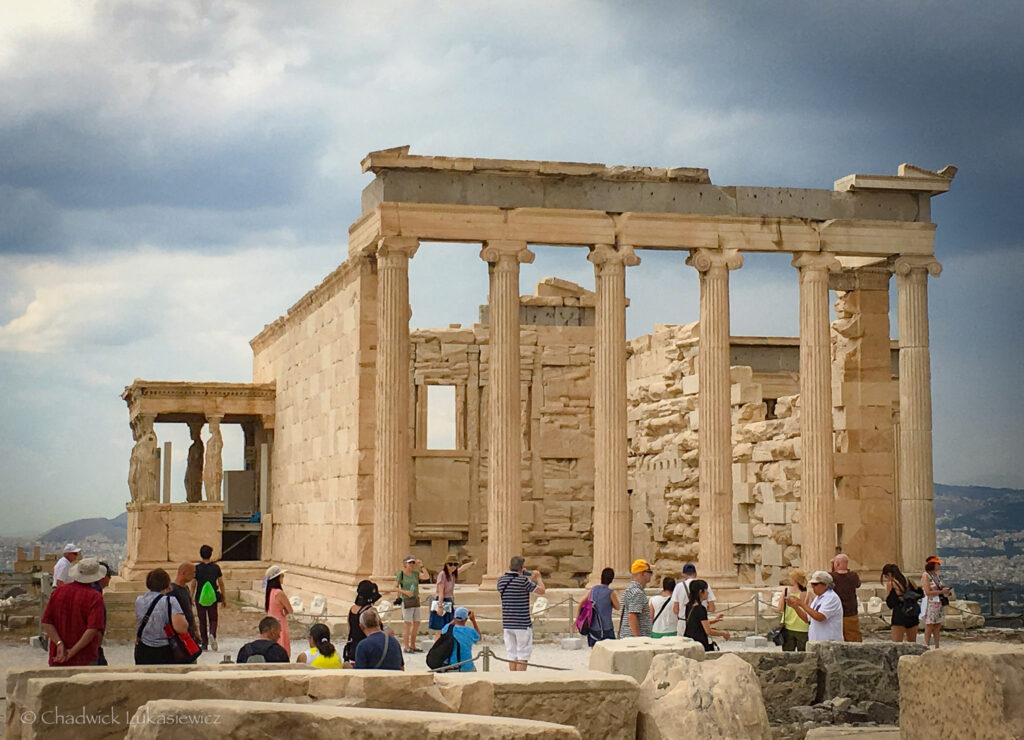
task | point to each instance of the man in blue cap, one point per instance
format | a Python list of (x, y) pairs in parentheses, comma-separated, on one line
[(465, 638)]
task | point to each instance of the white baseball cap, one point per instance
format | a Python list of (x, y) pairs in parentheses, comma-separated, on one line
[(71, 547)]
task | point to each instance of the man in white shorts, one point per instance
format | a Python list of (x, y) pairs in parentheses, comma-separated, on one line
[(515, 588)]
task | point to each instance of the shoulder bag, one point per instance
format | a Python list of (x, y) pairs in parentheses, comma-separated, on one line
[(183, 647), (778, 634)]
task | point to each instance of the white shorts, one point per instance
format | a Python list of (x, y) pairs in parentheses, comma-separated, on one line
[(519, 644), (411, 614)]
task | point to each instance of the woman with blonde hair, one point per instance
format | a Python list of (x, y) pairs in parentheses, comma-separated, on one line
[(796, 628)]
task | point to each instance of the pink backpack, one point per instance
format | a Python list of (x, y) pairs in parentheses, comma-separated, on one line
[(585, 616)]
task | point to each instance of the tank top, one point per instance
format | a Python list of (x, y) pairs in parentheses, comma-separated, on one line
[(793, 622), (601, 595), (315, 659)]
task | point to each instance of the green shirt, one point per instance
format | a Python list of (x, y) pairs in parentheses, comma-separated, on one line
[(410, 582)]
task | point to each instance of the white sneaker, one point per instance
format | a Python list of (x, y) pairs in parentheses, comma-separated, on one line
[(213, 644)]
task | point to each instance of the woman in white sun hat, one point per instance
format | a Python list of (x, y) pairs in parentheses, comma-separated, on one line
[(277, 605)]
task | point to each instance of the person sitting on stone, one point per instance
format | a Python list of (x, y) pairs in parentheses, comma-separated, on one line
[(321, 653), (825, 614), (366, 596), (465, 638), (266, 648), (378, 650)]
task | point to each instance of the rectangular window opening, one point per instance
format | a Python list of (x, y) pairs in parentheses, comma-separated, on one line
[(441, 417)]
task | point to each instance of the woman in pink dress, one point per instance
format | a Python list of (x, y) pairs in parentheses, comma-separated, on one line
[(277, 605)]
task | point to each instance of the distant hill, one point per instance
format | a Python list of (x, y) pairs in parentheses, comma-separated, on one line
[(979, 508), (115, 529)]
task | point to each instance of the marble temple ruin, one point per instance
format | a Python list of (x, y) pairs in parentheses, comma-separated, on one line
[(573, 445)]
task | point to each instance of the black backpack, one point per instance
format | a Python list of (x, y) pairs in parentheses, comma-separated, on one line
[(440, 652), (910, 604)]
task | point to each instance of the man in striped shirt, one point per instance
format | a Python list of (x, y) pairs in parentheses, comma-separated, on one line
[(515, 588), (636, 609)]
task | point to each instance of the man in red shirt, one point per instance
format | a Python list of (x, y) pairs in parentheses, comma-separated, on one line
[(74, 620)]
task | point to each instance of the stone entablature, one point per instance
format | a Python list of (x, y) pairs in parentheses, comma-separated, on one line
[(182, 402)]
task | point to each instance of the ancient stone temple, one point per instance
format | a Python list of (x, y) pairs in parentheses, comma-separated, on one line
[(572, 444)]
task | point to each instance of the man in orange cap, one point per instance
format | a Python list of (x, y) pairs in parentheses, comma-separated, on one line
[(636, 609)]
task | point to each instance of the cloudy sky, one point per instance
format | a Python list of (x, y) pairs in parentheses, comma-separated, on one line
[(174, 175)]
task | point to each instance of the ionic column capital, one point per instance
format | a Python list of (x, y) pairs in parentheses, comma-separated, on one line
[(391, 249), (500, 251), (705, 260), (816, 262), (606, 256), (905, 265)]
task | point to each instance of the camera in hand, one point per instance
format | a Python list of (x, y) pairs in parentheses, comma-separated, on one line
[(527, 572)]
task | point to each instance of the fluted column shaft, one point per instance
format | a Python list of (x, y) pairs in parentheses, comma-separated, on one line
[(916, 482), (611, 501), (505, 438), (392, 459), (714, 433), (817, 480)]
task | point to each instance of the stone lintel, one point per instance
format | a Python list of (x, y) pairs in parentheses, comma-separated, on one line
[(573, 227)]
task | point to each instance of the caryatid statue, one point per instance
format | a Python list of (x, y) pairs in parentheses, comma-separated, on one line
[(142, 469), (194, 470), (213, 471)]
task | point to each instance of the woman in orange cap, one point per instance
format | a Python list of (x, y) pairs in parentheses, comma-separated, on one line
[(936, 599)]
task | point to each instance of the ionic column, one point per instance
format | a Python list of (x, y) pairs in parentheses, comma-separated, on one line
[(611, 502), (392, 459), (504, 533), (714, 432), (817, 481), (916, 484)]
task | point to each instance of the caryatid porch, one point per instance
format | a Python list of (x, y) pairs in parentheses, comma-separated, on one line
[(866, 221), (162, 533)]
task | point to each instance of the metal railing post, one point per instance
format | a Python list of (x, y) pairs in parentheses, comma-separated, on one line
[(757, 612), (572, 622), (485, 658)]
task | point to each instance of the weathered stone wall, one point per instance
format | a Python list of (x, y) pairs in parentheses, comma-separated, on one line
[(321, 355), (449, 508), (662, 390)]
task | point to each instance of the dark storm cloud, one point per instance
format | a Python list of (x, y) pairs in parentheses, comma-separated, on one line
[(196, 124), (926, 83)]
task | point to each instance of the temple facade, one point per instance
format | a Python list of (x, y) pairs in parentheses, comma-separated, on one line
[(573, 445)]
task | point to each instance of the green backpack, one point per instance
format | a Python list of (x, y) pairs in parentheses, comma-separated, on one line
[(207, 595)]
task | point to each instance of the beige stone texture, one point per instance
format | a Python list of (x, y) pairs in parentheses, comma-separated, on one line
[(161, 535), (17, 681), (597, 704), (633, 656), (974, 691), (683, 698), (121, 694), (321, 355), (161, 719)]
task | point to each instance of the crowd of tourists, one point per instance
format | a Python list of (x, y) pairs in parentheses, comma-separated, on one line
[(177, 617)]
